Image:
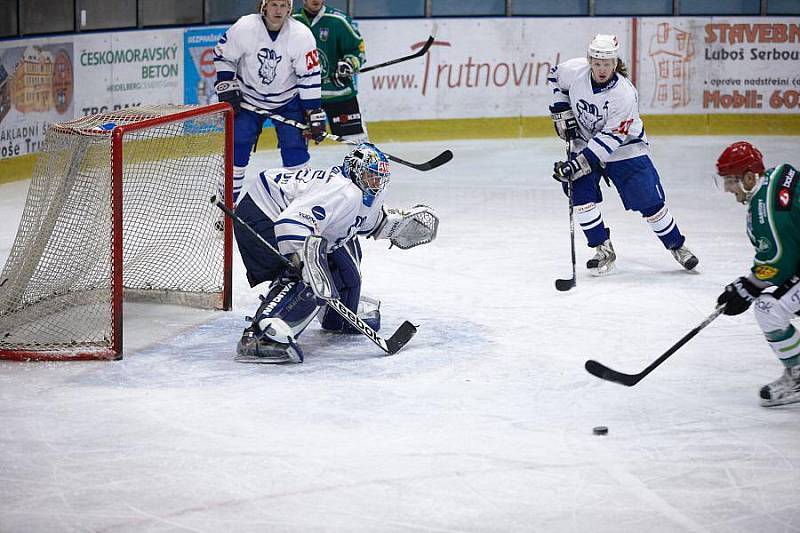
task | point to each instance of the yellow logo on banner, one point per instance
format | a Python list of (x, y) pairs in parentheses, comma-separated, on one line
[(766, 272)]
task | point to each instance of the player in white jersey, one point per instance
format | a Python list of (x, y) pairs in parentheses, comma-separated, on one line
[(596, 108), (285, 207), (270, 61)]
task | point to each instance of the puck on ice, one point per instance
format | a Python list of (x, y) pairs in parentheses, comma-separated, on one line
[(600, 430)]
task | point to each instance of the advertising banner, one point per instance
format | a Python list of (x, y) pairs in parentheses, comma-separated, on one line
[(128, 69), (200, 73), (719, 65), (36, 88), (475, 68)]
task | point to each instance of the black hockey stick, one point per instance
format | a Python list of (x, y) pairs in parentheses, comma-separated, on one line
[(391, 346), (566, 284), (437, 161), (629, 380), (418, 53)]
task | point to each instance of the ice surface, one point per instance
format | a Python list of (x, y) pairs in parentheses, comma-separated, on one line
[(482, 423)]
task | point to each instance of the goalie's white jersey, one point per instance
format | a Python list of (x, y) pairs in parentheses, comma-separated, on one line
[(608, 118), (307, 201), (270, 73)]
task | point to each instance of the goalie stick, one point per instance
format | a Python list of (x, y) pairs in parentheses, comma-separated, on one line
[(629, 380), (437, 161), (391, 346), (418, 53), (566, 284)]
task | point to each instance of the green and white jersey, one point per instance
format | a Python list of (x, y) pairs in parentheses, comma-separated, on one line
[(336, 38), (773, 225)]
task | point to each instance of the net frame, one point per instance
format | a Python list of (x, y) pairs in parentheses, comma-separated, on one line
[(141, 119)]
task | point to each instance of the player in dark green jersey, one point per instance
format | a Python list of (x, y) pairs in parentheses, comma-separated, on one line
[(773, 225), (341, 56)]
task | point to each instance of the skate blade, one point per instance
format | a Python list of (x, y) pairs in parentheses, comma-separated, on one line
[(265, 360), (599, 273)]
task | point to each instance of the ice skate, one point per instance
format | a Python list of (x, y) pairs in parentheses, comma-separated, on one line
[(603, 260), (254, 348), (785, 389), (685, 257)]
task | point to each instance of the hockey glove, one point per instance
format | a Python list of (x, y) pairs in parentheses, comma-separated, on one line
[(345, 69), (738, 296), (573, 169), (229, 91), (564, 121), (315, 120), (407, 228)]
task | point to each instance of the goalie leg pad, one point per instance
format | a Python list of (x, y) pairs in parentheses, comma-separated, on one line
[(316, 271), (346, 274), (284, 313)]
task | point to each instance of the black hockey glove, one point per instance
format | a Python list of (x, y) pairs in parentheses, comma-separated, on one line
[(315, 120), (564, 121), (228, 91), (574, 168), (738, 296), (345, 69)]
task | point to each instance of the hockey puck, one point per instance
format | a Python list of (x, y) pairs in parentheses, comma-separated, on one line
[(600, 430)]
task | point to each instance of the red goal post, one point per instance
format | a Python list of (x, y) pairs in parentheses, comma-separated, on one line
[(118, 208)]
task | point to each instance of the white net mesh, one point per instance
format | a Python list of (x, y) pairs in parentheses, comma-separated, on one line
[(56, 290)]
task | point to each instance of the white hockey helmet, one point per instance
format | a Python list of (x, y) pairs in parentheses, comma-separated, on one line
[(604, 46)]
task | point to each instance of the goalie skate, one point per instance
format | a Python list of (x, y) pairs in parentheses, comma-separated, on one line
[(785, 389), (253, 348), (603, 261)]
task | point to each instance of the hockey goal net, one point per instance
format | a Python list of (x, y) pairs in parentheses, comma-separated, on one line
[(118, 205)]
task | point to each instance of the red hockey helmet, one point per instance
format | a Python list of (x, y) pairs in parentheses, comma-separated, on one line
[(738, 158)]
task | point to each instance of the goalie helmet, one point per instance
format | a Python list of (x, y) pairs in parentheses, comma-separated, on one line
[(739, 158), (368, 168), (604, 46)]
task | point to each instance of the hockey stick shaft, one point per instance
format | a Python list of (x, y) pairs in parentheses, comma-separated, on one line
[(437, 161), (629, 380), (419, 53), (567, 284), (390, 346)]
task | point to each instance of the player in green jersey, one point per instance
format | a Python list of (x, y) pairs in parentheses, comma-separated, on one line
[(773, 225), (341, 56)]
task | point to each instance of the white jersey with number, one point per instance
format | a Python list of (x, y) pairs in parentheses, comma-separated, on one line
[(270, 72), (307, 201), (608, 117)]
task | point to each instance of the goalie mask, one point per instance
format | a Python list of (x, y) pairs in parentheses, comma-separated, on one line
[(368, 168)]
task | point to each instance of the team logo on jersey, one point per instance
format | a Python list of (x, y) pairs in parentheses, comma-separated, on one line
[(786, 191), (763, 245), (269, 65), (592, 117), (319, 212), (323, 34), (764, 272)]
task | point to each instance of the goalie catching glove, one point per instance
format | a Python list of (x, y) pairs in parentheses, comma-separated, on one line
[(407, 228)]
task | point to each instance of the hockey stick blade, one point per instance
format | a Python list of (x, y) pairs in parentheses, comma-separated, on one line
[(565, 284), (419, 53), (603, 372), (400, 337), (437, 161)]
